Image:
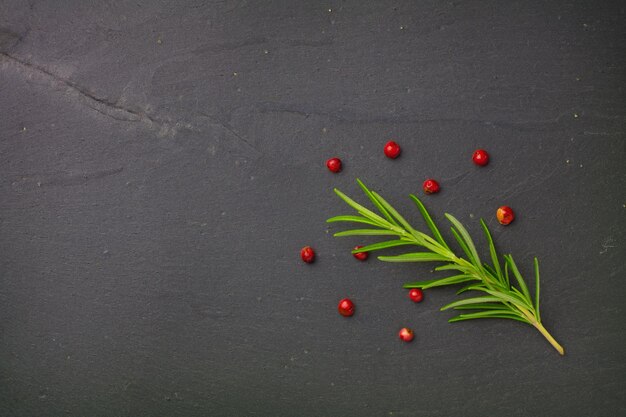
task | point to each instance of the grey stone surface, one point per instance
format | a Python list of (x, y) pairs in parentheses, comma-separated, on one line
[(162, 164)]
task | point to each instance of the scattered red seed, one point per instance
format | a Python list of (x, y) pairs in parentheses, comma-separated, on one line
[(346, 307), (307, 254), (392, 150), (480, 157), (431, 186), (361, 256), (505, 215), (406, 334), (334, 165), (416, 294)]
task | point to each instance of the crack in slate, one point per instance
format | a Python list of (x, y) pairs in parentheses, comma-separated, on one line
[(111, 109), (347, 116), (101, 105)]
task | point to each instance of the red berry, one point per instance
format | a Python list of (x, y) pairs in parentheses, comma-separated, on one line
[(505, 215), (307, 254), (334, 165), (431, 186), (392, 150), (406, 334), (416, 295), (480, 157), (361, 256), (346, 307)]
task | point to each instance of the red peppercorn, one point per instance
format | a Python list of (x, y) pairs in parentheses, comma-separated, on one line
[(480, 157), (416, 295), (392, 150), (334, 165), (505, 215), (361, 256), (406, 334), (346, 307), (431, 186), (307, 254)]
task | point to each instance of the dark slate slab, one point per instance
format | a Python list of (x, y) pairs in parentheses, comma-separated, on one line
[(162, 164)]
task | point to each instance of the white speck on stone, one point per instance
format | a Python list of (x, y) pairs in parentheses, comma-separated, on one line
[(575, 115), (265, 51), (330, 10), (471, 215), (567, 161), (235, 74), (581, 165), (402, 27)]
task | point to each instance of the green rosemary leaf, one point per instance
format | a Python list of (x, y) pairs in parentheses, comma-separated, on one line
[(492, 251), (493, 314), (465, 289), (354, 219), (429, 222), (483, 306), (456, 279), (414, 257), (418, 284), (510, 297), (537, 290), (379, 206), (491, 271), (362, 210), (383, 245), (518, 276), (506, 275), (366, 232), (466, 237), (393, 212), (462, 244), (455, 267), (475, 300), (439, 282)]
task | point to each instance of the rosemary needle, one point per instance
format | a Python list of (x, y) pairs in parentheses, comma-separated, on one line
[(503, 296)]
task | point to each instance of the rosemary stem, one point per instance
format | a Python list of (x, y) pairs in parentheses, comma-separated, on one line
[(549, 337)]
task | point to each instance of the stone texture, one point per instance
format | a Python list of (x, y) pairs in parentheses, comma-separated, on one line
[(162, 164)]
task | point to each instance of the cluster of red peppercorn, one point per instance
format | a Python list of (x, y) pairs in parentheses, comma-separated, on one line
[(504, 214)]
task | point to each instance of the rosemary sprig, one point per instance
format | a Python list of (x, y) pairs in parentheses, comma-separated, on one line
[(501, 298)]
